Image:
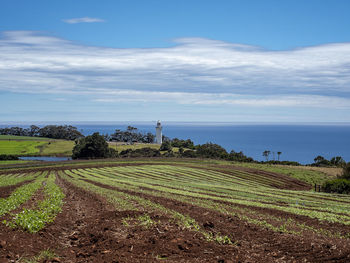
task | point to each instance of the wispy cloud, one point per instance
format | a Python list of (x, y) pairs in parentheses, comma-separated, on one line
[(196, 71), (83, 20)]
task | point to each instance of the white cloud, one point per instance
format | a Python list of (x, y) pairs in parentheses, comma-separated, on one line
[(83, 20), (314, 101), (195, 71)]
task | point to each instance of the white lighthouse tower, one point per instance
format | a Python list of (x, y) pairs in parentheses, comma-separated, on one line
[(159, 133)]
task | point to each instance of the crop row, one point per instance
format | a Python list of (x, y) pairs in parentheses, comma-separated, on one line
[(313, 207), (44, 212), (124, 201), (13, 179), (252, 216), (20, 195), (281, 198)]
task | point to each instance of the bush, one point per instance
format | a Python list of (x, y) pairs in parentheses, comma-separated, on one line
[(166, 146), (5, 157), (239, 157), (93, 146), (341, 186), (189, 154), (211, 150), (143, 152), (346, 172), (182, 143)]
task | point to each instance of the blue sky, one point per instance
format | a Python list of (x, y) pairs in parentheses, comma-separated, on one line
[(225, 61)]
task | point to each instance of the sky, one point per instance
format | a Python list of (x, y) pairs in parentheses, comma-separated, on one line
[(268, 61)]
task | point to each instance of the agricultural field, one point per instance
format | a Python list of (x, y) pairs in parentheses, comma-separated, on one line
[(164, 210), (34, 146)]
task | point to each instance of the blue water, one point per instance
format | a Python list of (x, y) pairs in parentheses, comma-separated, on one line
[(301, 143)]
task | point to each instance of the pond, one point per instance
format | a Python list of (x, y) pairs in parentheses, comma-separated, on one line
[(45, 158)]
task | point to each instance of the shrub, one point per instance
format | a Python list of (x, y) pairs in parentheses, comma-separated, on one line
[(166, 146), (143, 152), (341, 186), (182, 143), (346, 171), (189, 154), (211, 150), (5, 157), (239, 157)]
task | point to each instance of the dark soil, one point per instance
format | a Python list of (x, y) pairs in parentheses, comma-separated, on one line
[(90, 230), (257, 244)]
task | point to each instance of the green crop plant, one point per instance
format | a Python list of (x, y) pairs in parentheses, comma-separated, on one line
[(19, 196), (146, 221), (14, 179), (45, 211)]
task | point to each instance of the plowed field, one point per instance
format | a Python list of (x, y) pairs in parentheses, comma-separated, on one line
[(171, 212)]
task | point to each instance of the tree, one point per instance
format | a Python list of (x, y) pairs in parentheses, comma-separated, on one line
[(321, 161), (93, 146), (34, 130), (266, 154), (338, 161), (279, 154)]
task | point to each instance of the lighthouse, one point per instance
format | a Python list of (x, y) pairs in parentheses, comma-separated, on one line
[(159, 133)]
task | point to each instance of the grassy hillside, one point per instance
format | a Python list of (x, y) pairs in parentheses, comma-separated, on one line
[(34, 146)]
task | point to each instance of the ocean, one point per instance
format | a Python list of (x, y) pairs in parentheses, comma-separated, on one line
[(301, 143)]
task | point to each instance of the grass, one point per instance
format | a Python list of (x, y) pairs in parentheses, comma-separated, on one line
[(21, 147), (23, 138), (58, 147), (34, 146), (14, 162), (121, 147)]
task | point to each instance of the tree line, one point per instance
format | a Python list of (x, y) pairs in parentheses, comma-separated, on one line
[(66, 132)]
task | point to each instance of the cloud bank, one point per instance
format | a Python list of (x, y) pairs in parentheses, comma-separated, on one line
[(83, 20), (194, 71)]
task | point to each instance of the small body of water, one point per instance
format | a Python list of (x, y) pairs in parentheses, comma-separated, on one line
[(45, 158)]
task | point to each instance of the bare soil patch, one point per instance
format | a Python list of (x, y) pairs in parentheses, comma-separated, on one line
[(257, 244)]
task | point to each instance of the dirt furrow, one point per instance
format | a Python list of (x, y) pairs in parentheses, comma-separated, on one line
[(256, 243)]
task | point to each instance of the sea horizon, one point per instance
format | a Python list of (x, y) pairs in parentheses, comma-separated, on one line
[(298, 142)]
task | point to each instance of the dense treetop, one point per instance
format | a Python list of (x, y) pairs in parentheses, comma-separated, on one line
[(93, 146), (66, 132)]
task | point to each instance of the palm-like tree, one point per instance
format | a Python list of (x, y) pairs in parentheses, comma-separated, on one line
[(266, 154)]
